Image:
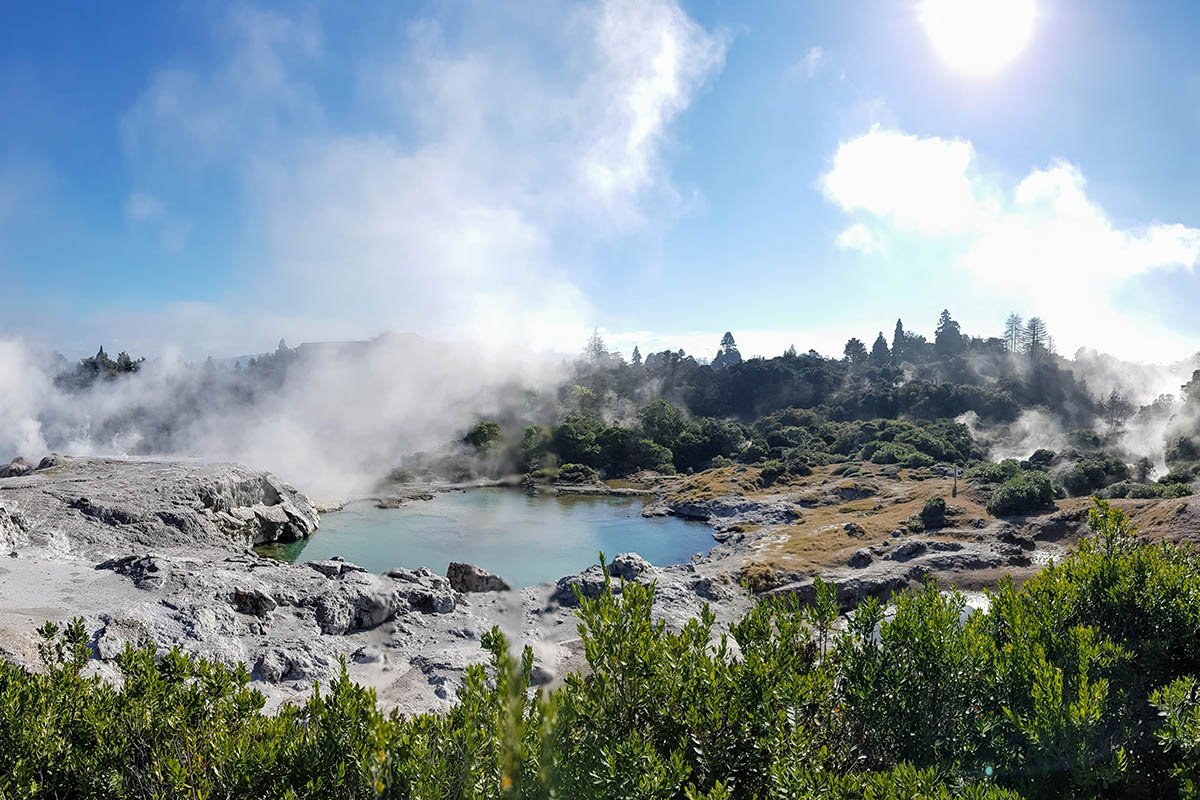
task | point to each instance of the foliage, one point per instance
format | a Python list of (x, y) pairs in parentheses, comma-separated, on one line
[(482, 435), (933, 513), (1080, 683), (576, 473), (1090, 475), (1027, 492), (1145, 491)]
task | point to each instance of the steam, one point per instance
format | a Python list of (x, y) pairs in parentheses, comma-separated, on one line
[(339, 418)]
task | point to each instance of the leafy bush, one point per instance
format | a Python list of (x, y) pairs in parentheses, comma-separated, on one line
[(1082, 682), (986, 472), (933, 514), (576, 473), (772, 471), (1143, 491), (1178, 475), (1027, 492), (1090, 475)]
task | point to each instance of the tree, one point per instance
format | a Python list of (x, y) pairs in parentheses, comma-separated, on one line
[(535, 441), (1035, 338), (1144, 469), (855, 351), (880, 355), (728, 354), (636, 360), (1116, 409), (1014, 332), (899, 339), (127, 364), (948, 338), (595, 351), (482, 435), (790, 352), (661, 422)]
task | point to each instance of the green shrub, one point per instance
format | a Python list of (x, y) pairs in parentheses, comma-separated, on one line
[(933, 513), (1178, 475), (986, 472), (1082, 682), (1090, 475), (1142, 491), (576, 473), (1026, 493), (772, 471)]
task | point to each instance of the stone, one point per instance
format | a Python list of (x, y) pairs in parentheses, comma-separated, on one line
[(334, 567), (367, 655), (470, 578), (254, 602), (861, 559), (16, 468), (629, 566), (539, 675), (908, 550)]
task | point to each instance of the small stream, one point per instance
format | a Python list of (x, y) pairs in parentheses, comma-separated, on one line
[(526, 540)]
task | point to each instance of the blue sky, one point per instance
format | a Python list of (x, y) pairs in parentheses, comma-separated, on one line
[(211, 176)]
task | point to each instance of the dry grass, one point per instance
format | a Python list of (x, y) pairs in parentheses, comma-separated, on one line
[(759, 577), (836, 522), (714, 483)]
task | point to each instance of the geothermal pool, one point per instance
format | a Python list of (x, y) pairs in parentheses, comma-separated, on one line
[(526, 540)]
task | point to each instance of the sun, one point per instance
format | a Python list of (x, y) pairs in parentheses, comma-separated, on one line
[(978, 38)]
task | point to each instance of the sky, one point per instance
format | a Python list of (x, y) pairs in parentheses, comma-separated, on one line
[(205, 178)]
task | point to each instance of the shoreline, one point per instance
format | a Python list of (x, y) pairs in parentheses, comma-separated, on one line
[(106, 538), (159, 551)]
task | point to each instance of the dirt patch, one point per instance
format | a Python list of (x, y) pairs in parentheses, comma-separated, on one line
[(863, 511)]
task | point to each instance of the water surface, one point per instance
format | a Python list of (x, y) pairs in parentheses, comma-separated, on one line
[(526, 540)]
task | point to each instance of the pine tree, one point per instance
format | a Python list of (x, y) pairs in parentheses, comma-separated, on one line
[(948, 338), (898, 340), (728, 354), (855, 351), (1014, 330), (1035, 338), (880, 355), (790, 352), (637, 356), (595, 351)]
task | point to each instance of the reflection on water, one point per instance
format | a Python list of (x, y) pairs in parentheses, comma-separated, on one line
[(526, 540)]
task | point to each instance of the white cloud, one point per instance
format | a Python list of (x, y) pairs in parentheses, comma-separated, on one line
[(1043, 245), (146, 209), (451, 220), (859, 237), (141, 207), (807, 66), (916, 184)]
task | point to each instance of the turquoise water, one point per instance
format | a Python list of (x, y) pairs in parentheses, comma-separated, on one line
[(526, 540)]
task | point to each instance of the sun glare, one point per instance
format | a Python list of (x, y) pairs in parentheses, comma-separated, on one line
[(978, 37)]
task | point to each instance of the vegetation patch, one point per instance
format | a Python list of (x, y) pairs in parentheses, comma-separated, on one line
[(1083, 682)]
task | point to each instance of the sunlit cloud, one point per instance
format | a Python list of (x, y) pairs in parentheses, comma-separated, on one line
[(859, 237), (1043, 245), (445, 222)]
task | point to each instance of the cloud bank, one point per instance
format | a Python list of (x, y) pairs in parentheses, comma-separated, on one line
[(494, 153), (1042, 245)]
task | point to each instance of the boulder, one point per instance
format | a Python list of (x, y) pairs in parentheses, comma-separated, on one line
[(861, 559), (278, 664), (16, 468), (908, 550), (467, 578), (590, 583), (629, 566)]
